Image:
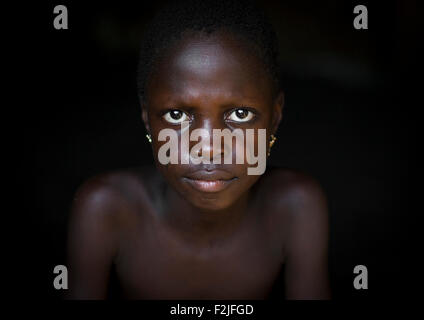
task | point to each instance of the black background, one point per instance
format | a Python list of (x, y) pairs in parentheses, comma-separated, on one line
[(346, 121)]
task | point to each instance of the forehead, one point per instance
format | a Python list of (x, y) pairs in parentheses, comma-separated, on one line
[(218, 66)]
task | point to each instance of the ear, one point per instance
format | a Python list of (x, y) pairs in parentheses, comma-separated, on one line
[(277, 111), (145, 115)]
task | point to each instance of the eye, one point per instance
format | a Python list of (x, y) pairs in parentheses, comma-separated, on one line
[(175, 116), (241, 115)]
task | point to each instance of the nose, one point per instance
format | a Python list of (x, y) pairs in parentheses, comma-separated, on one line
[(209, 151)]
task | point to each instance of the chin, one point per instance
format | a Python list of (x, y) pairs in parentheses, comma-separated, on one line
[(210, 204)]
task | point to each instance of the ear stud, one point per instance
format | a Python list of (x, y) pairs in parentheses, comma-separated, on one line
[(271, 143)]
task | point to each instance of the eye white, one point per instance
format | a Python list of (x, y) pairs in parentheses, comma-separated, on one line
[(241, 115), (175, 116)]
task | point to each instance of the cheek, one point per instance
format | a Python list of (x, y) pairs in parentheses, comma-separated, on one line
[(248, 180), (170, 171)]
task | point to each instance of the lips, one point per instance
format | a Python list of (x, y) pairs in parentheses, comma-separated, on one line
[(209, 180)]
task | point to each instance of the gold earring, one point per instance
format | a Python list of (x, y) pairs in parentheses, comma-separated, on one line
[(149, 138), (271, 143)]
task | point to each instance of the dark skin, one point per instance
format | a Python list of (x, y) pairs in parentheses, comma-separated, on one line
[(167, 238)]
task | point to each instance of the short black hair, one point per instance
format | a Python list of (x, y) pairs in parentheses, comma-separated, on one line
[(242, 18)]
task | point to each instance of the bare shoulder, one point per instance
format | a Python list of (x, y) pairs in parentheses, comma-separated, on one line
[(104, 206), (110, 197), (300, 199), (294, 190)]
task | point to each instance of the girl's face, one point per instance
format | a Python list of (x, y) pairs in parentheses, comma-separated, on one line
[(214, 82)]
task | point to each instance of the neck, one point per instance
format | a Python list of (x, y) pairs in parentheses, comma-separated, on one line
[(202, 225)]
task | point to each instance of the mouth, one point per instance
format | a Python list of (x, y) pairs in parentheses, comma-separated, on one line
[(209, 181), (209, 185)]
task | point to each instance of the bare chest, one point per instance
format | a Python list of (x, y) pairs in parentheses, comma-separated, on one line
[(152, 266)]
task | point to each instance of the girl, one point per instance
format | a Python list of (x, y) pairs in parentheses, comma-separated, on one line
[(203, 230)]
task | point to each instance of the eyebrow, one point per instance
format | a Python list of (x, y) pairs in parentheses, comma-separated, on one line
[(224, 107)]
